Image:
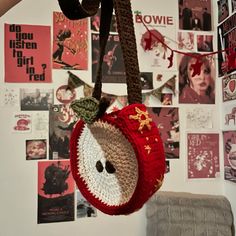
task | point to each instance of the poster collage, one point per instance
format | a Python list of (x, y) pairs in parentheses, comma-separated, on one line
[(226, 31), (46, 113)]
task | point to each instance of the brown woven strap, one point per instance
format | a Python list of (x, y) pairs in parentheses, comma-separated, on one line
[(125, 25), (72, 9)]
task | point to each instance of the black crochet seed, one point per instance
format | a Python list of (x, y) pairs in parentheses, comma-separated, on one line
[(108, 166), (99, 166)]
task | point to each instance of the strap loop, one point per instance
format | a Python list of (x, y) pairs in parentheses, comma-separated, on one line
[(73, 10)]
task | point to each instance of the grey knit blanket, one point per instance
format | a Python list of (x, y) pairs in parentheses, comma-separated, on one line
[(186, 214)]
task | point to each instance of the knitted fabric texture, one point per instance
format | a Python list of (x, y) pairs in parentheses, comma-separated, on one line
[(127, 139), (187, 214), (86, 108)]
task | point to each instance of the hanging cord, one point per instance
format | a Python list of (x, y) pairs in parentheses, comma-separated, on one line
[(126, 32), (105, 22)]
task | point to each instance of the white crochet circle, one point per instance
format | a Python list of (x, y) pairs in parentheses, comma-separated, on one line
[(103, 142)]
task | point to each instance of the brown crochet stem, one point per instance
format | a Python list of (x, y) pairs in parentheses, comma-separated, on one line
[(73, 10)]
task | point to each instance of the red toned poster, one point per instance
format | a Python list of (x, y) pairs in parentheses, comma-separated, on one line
[(229, 87), (27, 54), (229, 138), (153, 42), (113, 69), (167, 121), (55, 192), (22, 122), (70, 43), (226, 32), (203, 155)]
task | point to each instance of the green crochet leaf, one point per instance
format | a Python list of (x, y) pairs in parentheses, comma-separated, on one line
[(86, 109)]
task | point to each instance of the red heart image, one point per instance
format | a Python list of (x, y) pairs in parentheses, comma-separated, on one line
[(232, 85)]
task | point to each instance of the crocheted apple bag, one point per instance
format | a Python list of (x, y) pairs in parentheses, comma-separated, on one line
[(117, 158)]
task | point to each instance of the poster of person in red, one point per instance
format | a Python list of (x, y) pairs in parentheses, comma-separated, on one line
[(203, 155), (55, 192), (113, 65), (70, 43), (27, 53), (229, 138)]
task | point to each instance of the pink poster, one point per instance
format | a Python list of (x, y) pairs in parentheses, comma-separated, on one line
[(55, 192), (27, 53), (203, 155), (167, 121), (70, 43)]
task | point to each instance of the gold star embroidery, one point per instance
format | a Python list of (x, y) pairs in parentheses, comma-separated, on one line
[(143, 119), (148, 148), (159, 183)]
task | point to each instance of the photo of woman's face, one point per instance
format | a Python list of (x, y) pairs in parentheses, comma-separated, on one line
[(200, 82)]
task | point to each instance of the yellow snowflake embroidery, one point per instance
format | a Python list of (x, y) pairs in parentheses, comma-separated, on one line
[(143, 119)]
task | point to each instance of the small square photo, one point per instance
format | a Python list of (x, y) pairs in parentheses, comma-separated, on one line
[(36, 149)]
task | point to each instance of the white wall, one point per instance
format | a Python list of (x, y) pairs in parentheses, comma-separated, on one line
[(18, 177)]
